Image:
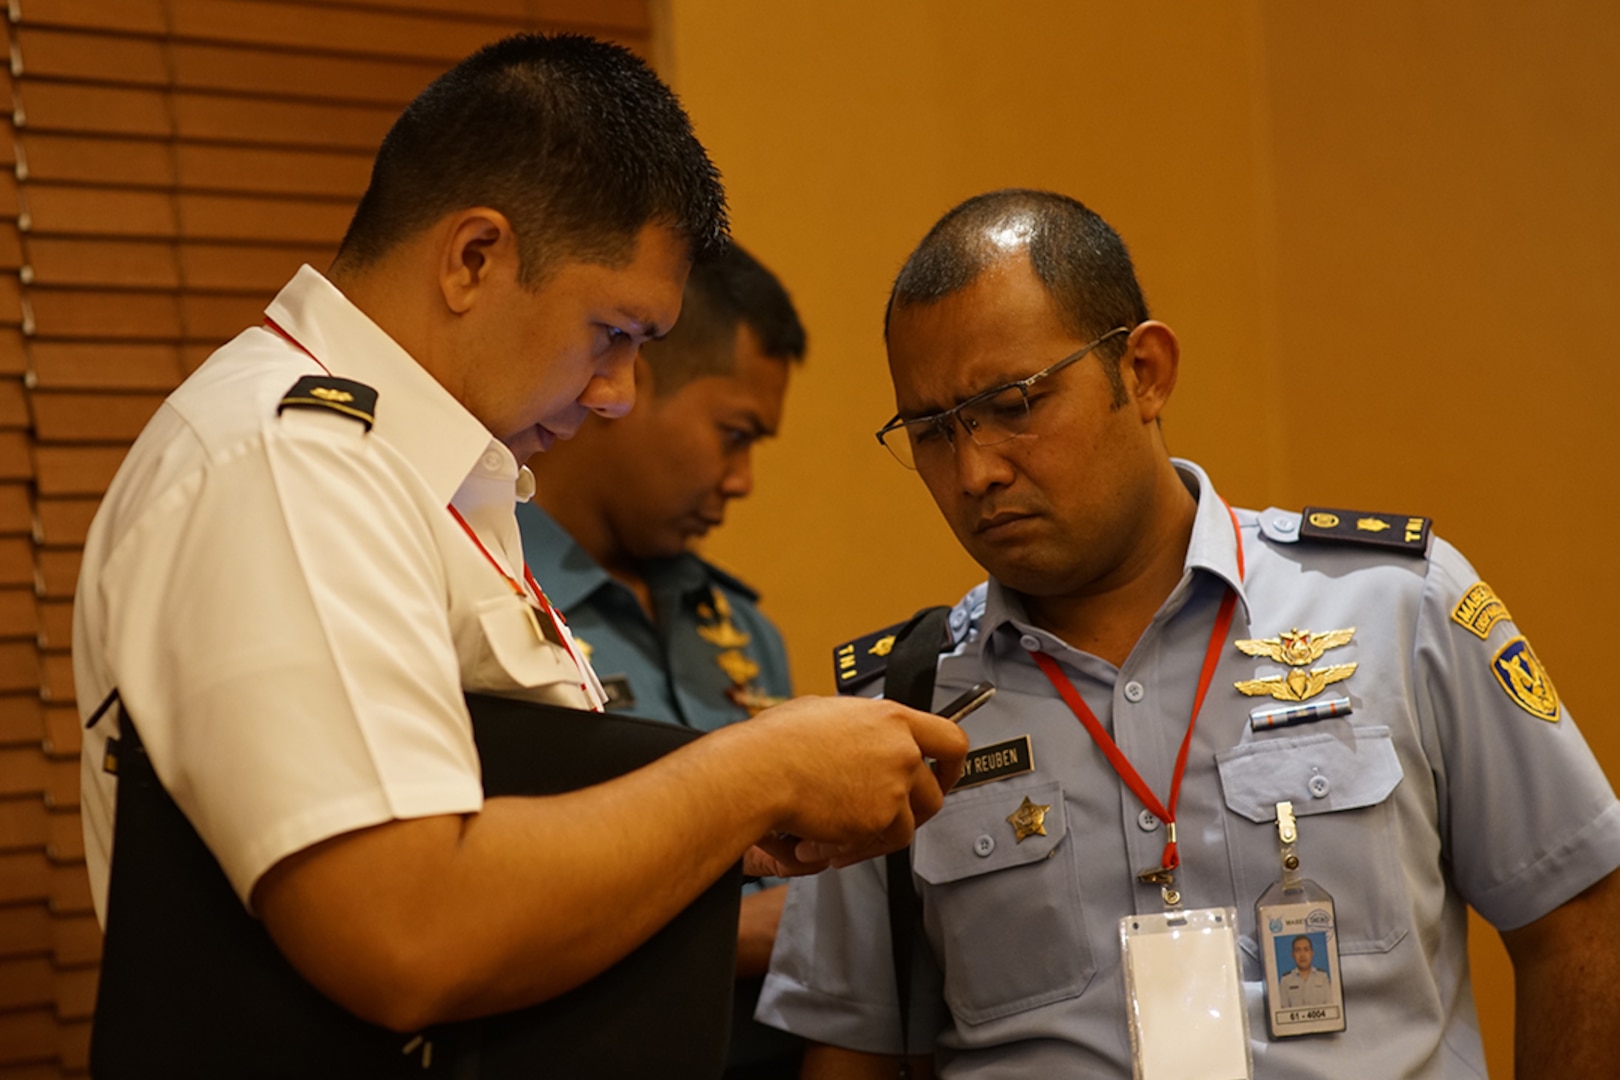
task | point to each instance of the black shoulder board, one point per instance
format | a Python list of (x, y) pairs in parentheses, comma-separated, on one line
[(858, 662), (329, 392), (1396, 532)]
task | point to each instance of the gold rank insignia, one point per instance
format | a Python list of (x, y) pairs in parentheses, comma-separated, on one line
[(882, 646), (737, 666), (355, 400), (722, 634), (1525, 680), (1479, 610), (1298, 684), (1396, 532), (1296, 647), (1028, 820)]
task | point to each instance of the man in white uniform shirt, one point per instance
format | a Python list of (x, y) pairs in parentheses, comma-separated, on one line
[(310, 555)]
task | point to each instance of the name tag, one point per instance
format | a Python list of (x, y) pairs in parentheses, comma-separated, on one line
[(1004, 759)]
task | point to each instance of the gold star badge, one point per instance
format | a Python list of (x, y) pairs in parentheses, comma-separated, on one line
[(1028, 820)]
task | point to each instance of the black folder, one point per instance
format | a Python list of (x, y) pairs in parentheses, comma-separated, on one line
[(193, 986)]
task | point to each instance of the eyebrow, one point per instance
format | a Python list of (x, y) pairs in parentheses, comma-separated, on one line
[(645, 328), (935, 410)]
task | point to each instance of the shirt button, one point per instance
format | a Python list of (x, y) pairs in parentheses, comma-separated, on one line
[(491, 461), (958, 619), (1319, 786), (984, 845), (1147, 821), (1287, 525), (1030, 643), (1134, 692)]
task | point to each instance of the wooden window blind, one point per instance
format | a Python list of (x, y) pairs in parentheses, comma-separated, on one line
[(166, 166)]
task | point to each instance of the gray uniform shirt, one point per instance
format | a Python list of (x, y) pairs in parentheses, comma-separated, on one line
[(1440, 790)]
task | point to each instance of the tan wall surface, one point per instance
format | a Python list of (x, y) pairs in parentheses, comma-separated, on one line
[(1387, 234)]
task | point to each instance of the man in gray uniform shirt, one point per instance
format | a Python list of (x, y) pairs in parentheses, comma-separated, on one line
[(1352, 665)]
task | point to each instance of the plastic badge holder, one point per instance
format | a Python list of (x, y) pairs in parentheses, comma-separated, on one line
[(1184, 991)]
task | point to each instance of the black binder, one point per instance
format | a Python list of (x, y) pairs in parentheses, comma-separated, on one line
[(193, 986)]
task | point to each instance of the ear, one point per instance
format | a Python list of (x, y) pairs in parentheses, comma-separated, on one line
[(1151, 362), (478, 249)]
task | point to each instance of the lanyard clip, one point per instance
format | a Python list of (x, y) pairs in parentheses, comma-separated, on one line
[(1287, 838), (1165, 878)]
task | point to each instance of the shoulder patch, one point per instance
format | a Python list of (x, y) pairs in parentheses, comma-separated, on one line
[(1524, 679), (1395, 532), (1479, 610), (352, 399)]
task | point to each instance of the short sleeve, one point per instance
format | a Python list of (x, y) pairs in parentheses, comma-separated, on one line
[(1528, 817), (277, 623)]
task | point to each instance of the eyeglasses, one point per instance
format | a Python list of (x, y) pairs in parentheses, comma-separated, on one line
[(990, 418)]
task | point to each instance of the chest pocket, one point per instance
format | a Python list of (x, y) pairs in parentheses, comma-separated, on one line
[(1348, 842), (513, 661), (1016, 935)]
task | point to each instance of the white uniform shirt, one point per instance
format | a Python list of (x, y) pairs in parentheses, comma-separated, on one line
[(288, 609), (1304, 991)]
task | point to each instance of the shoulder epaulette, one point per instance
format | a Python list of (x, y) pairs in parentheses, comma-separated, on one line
[(355, 400), (856, 663), (1394, 532)]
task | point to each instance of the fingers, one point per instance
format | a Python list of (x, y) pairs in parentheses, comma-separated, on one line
[(943, 741), (776, 856)]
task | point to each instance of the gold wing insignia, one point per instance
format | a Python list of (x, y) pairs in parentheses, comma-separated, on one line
[(1296, 647), (1297, 685), (1269, 648)]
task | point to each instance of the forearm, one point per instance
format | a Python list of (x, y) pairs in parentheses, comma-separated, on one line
[(418, 921), (1566, 969), (443, 918)]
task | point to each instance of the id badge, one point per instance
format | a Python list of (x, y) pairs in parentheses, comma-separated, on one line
[(1184, 992), (1299, 942)]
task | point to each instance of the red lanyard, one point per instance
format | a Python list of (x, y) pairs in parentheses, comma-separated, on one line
[(272, 325), (1122, 765), (528, 576), (539, 595)]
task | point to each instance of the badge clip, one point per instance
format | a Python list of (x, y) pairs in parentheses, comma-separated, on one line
[(1299, 947)]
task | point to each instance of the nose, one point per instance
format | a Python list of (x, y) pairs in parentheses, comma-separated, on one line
[(738, 480), (612, 390), (979, 469)]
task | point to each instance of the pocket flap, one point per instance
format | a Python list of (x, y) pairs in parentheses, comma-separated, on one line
[(1318, 773), (524, 658), (972, 835)]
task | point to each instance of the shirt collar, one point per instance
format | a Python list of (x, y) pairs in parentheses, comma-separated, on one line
[(417, 416), (569, 574), (1213, 549)]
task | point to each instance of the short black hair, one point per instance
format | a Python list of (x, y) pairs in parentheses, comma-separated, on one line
[(726, 289), (1076, 254), (575, 140)]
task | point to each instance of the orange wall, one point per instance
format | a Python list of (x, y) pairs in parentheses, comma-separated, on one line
[(1387, 234)]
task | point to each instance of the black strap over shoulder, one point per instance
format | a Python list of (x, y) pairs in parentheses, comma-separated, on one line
[(909, 679), (193, 986)]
